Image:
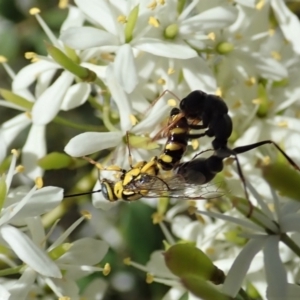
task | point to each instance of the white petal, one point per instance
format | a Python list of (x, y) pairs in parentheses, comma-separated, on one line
[(76, 95), (29, 74), (29, 253), (43, 82), (241, 265), (23, 285), (91, 142), (41, 201), (290, 223), (101, 13), (86, 251), (81, 38), (48, 105), (165, 49), (120, 98), (275, 272), (96, 289), (4, 103), (34, 149), (288, 22), (4, 293), (214, 18), (74, 18), (11, 128), (198, 75), (125, 69)]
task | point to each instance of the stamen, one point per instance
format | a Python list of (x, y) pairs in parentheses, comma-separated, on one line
[(161, 81), (211, 36), (172, 102), (283, 124), (106, 269), (219, 92), (28, 115), (250, 81), (20, 169), (157, 218), (152, 5), (133, 120), (34, 10), (122, 19), (63, 4), (3, 59), (171, 71), (161, 2), (15, 152), (39, 182), (237, 104), (86, 214), (276, 55), (260, 4), (195, 144), (149, 278), (153, 22), (257, 101)]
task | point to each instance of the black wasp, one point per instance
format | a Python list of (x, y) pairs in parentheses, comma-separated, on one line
[(212, 112)]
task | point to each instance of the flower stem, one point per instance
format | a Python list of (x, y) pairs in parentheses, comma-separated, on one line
[(11, 271), (62, 121), (290, 243)]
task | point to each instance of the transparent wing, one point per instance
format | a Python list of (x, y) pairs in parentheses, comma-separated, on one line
[(173, 187)]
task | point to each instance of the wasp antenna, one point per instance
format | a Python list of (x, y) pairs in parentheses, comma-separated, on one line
[(82, 194)]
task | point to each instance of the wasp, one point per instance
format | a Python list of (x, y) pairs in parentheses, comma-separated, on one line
[(144, 180), (212, 112)]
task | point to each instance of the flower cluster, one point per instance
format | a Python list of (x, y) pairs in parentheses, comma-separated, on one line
[(124, 59)]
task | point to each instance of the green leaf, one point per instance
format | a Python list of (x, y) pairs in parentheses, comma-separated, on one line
[(55, 161), (183, 259)]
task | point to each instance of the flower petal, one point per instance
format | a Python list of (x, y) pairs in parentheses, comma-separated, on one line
[(125, 69), (165, 49), (81, 38), (275, 272), (91, 142), (241, 265), (48, 104), (29, 253), (76, 95), (33, 150)]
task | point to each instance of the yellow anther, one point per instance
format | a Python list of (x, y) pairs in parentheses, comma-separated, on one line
[(33, 11), (266, 160), (271, 32), (228, 174), (192, 210), (39, 182), (257, 101), (200, 218), (209, 206), (276, 55), (172, 102), (237, 104), (219, 92), (20, 169), (211, 36), (122, 19), (157, 218), (133, 120), (250, 81), (106, 269), (171, 71), (210, 251), (283, 124), (31, 56), (63, 4), (28, 115), (3, 59), (271, 207), (107, 56), (152, 5), (15, 152), (86, 214), (149, 278), (127, 261), (260, 4), (161, 2), (64, 298), (195, 144), (99, 166), (161, 81), (238, 36), (153, 22)]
